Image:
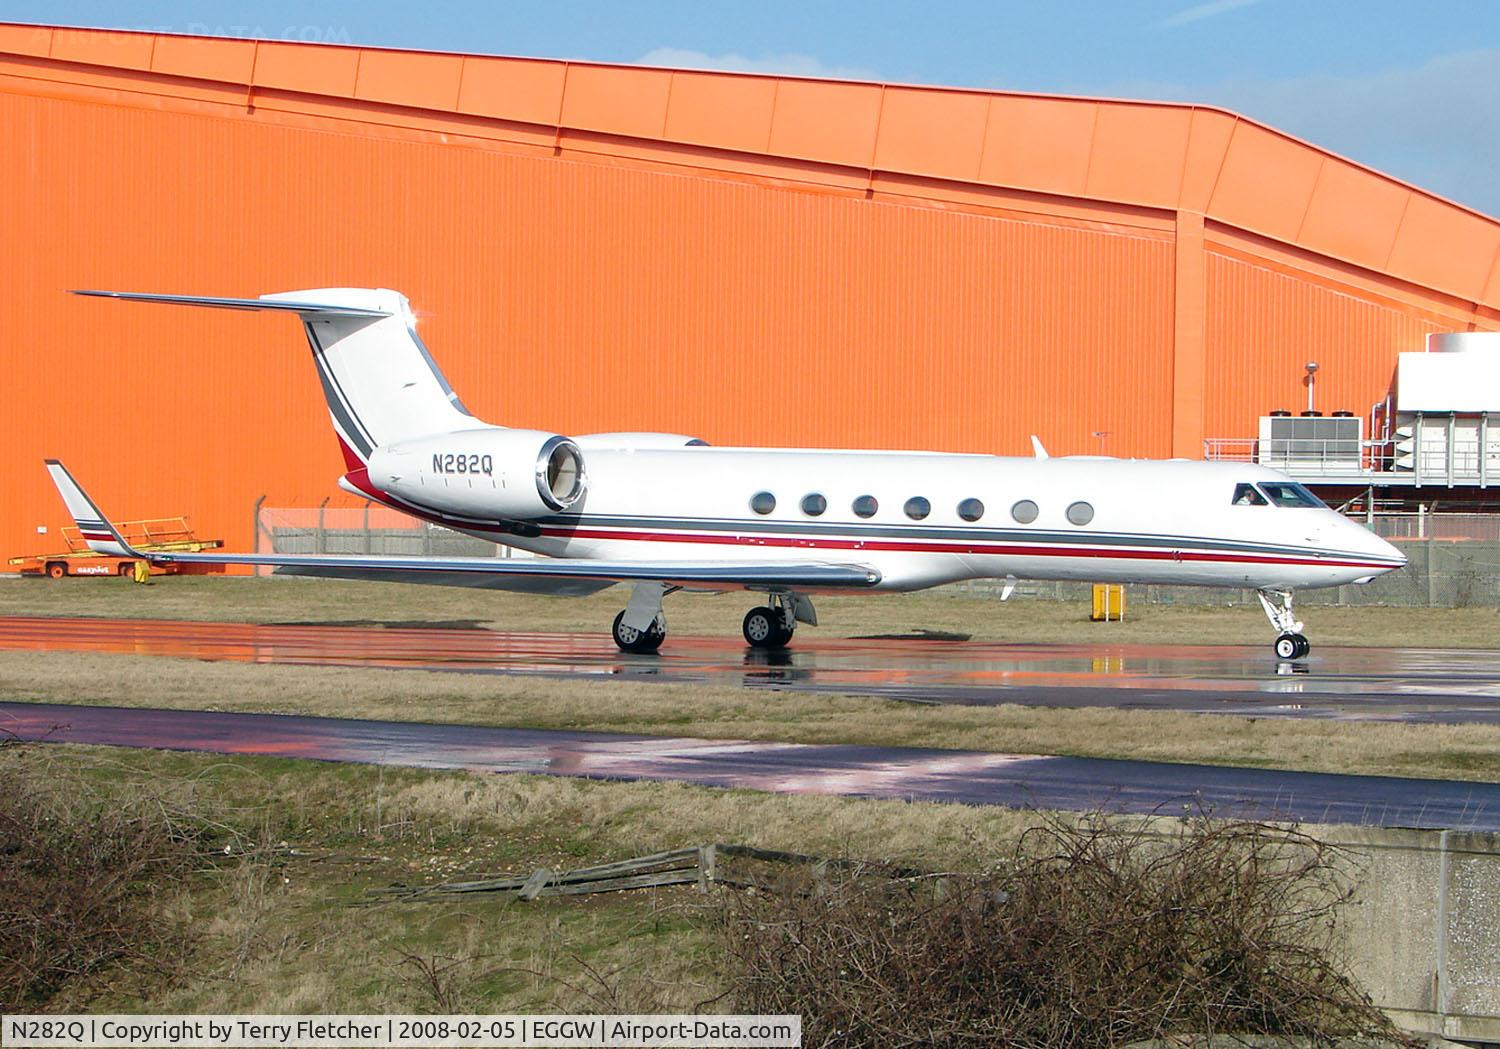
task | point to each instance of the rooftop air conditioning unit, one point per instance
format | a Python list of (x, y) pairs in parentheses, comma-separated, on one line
[(1313, 446)]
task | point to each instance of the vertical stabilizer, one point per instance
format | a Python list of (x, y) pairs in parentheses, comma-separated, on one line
[(381, 384)]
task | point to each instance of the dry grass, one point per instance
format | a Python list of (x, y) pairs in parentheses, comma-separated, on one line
[(290, 930), (984, 618), (1085, 934), (1440, 751)]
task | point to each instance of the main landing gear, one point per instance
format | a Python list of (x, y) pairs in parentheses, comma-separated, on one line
[(767, 628), (772, 626), (640, 641), (642, 626), (1290, 642)]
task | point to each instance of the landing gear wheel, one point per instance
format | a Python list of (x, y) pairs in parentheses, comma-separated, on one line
[(1291, 646), (1304, 646), (629, 639), (766, 628), (783, 632)]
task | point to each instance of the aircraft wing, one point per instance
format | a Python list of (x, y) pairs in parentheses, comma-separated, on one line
[(556, 575)]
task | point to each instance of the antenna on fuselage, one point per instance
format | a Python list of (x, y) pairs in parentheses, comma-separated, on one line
[(1036, 446)]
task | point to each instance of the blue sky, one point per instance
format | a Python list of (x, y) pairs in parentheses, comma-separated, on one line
[(1412, 89)]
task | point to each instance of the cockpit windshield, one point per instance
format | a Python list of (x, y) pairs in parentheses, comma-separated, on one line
[(1283, 493), (1246, 495)]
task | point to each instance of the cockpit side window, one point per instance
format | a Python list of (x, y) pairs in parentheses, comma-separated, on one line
[(1289, 494), (1246, 495)]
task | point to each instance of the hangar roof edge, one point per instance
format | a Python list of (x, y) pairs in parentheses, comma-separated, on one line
[(1166, 156)]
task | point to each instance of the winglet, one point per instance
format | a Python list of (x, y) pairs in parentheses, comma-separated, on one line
[(1036, 447), (101, 536)]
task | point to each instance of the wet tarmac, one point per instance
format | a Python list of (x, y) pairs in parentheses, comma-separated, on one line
[(911, 774), (1404, 684)]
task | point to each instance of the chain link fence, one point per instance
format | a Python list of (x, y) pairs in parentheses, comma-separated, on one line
[(362, 530), (1453, 559)]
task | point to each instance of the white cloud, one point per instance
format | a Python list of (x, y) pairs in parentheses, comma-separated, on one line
[(1436, 125), (1199, 12), (791, 64)]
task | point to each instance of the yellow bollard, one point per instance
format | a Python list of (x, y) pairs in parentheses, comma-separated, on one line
[(1109, 602)]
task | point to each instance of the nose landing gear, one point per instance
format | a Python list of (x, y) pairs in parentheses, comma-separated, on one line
[(1290, 641)]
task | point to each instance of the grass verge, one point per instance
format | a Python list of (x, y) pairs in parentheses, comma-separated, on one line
[(290, 929), (1469, 752), (982, 618)]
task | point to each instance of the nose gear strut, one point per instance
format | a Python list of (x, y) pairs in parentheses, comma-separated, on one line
[(1290, 642)]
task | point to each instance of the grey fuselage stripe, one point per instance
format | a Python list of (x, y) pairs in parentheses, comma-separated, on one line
[(857, 531)]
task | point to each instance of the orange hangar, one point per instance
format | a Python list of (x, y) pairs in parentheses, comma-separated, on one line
[(756, 260)]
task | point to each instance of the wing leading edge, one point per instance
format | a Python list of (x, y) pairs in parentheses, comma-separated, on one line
[(577, 575)]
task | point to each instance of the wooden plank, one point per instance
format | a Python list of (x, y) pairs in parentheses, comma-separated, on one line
[(701, 865), (688, 876), (511, 882), (536, 883)]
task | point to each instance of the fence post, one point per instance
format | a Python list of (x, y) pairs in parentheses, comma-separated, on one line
[(260, 570), (369, 540), (322, 543), (1431, 573)]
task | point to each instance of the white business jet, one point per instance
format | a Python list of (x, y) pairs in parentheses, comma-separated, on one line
[(665, 512)]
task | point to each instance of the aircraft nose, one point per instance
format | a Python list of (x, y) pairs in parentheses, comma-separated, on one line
[(1376, 548)]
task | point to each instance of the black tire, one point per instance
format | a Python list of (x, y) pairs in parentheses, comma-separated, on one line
[(656, 634), (1288, 647), (783, 632), (126, 569), (639, 642), (1304, 646), (762, 628)]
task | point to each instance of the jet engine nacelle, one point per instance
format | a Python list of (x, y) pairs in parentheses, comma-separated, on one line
[(486, 473)]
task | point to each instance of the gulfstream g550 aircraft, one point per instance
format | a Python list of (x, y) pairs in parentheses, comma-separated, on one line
[(665, 512)]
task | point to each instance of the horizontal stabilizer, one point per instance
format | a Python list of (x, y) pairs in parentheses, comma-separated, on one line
[(318, 308)]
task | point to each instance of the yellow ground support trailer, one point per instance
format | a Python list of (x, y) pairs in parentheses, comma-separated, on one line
[(1109, 602), (160, 534)]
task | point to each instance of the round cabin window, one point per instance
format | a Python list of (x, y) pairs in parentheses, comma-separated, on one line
[(814, 504), (865, 506), (917, 508), (1025, 511), (971, 509), (762, 502), (1080, 513)]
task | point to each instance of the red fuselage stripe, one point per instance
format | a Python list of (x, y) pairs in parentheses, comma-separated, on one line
[(361, 480), (909, 546)]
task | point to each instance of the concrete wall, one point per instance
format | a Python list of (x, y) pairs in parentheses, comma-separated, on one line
[(1423, 931)]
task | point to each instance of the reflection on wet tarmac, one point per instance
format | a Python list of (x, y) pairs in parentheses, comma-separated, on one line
[(911, 774), (1367, 683)]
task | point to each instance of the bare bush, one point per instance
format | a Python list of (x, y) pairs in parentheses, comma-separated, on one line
[(1095, 933), (80, 891)]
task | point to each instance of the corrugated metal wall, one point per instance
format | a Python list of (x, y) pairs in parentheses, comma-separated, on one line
[(1264, 325), (558, 294)]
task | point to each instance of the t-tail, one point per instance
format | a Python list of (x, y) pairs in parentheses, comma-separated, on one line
[(380, 382)]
